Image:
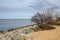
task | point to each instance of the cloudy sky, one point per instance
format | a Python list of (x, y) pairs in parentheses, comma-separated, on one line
[(23, 9)]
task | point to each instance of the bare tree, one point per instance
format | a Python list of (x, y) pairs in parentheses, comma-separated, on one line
[(43, 19), (38, 19)]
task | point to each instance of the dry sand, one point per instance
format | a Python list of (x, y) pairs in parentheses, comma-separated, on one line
[(53, 34)]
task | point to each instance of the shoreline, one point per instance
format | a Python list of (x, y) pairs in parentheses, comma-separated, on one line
[(22, 27), (19, 33), (28, 33)]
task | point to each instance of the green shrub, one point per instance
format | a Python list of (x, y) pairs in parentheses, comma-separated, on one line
[(1, 31), (10, 30)]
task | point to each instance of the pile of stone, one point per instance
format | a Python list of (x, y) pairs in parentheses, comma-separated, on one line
[(18, 34)]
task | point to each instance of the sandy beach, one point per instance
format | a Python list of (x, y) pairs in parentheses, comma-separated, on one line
[(53, 34)]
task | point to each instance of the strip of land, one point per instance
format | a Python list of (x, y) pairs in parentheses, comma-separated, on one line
[(28, 33)]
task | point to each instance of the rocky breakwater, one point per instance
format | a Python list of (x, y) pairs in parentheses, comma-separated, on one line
[(18, 34)]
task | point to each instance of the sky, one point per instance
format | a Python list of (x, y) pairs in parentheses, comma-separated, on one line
[(24, 9)]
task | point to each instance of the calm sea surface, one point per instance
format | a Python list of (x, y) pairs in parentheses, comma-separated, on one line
[(6, 24)]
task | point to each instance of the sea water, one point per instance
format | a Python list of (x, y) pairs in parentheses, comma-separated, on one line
[(6, 24)]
